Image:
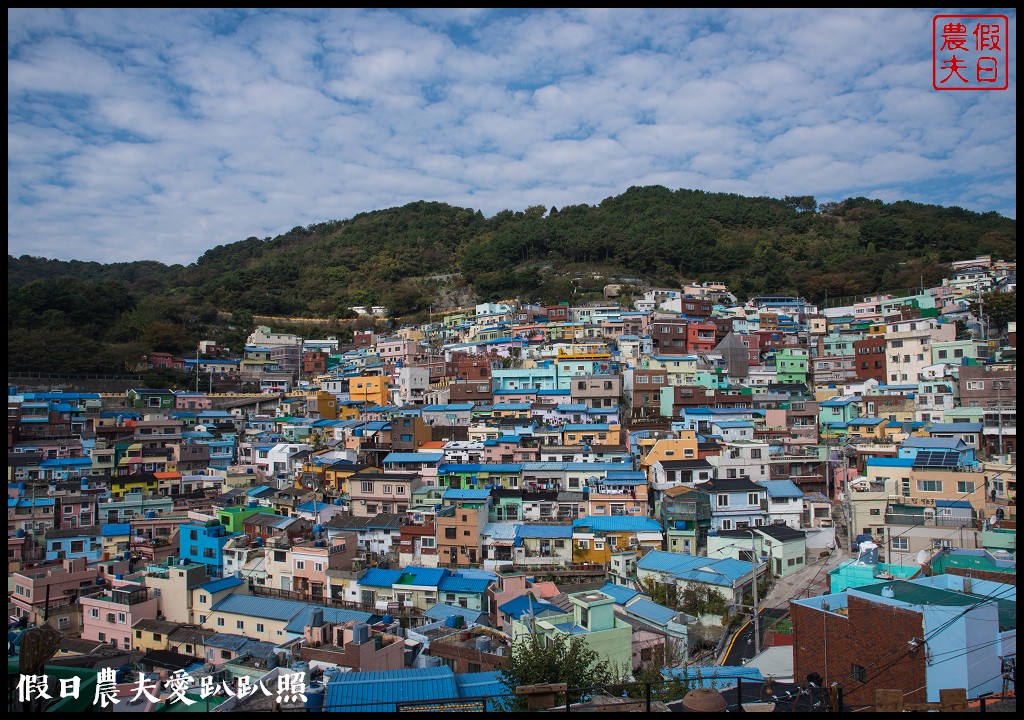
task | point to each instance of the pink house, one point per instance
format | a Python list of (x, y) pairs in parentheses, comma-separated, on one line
[(108, 616), (192, 401), (56, 586)]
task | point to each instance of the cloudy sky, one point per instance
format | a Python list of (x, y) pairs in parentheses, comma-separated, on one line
[(158, 134)]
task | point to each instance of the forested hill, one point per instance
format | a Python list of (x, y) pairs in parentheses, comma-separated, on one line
[(387, 257)]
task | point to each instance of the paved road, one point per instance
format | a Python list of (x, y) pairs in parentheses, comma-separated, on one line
[(809, 581)]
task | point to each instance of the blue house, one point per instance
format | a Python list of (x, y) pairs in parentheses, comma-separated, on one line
[(81, 542), (204, 544)]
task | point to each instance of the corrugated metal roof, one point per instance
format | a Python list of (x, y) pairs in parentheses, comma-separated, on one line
[(500, 531), (526, 604), (618, 524), (299, 623), (259, 607), (381, 691), (214, 586), (416, 575), (620, 593), (782, 489), (463, 585), (651, 611), (544, 531), (111, 529), (409, 457), (442, 611), (469, 494), (479, 468), (377, 577)]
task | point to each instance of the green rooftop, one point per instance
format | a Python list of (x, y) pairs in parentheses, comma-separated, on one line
[(917, 594)]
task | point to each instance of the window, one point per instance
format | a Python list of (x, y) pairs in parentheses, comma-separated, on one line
[(138, 634), (723, 500), (300, 564), (428, 542), (859, 672), (202, 599), (157, 637), (582, 544), (387, 490), (220, 622), (202, 619), (753, 498), (367, 487), (240, 624), (727, 525), (875, 511), (965, 487), (225, 654), (755, 454), (929, 486), (400, 489), (900, 543), (449, 533), (121, 617), (319, 567)]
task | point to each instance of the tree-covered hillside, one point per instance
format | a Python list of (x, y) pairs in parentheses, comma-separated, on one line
[(82, 316)]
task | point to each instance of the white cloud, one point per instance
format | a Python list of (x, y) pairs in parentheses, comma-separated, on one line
[(156, 134)]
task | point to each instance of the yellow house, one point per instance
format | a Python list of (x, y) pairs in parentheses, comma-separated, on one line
[(372, 389), (116, 537), (150, 635), (323, 404), (595, 538), (652, 450), (868, 429), (591, 434), (124, 484), (336, 476), (679, 369)]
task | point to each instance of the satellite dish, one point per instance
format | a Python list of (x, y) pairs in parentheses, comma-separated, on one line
[(922, 557)]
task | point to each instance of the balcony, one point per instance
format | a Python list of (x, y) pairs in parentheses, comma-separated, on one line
[(928, 520)]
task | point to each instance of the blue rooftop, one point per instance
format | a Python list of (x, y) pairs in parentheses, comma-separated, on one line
[(414, 457), (214, 586), (782, 489), (383, 691), (112, 529), (618, 524), (620, 593), (651, 611), (455, 584), (527, 604), (377, 577), (457, 494), (544, 531)]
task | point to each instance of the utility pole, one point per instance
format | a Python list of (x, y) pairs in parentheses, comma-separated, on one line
[(757, 620), (999, 386)]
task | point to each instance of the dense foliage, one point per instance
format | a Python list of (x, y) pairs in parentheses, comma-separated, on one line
[(560, 660), (87, 317)]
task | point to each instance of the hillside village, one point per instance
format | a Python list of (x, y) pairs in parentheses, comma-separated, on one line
[(637, 474)]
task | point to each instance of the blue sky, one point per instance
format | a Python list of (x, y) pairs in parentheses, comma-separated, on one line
[(158, 134)]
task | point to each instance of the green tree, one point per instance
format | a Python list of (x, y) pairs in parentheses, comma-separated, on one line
[(561, 660), (998, 308)]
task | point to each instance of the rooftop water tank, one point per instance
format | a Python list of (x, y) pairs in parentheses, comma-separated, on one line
[(887, 592), (360, 633), (386, 619), (483, 644), (318, 617), (253, 503), (20, 532), (316, 693)]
